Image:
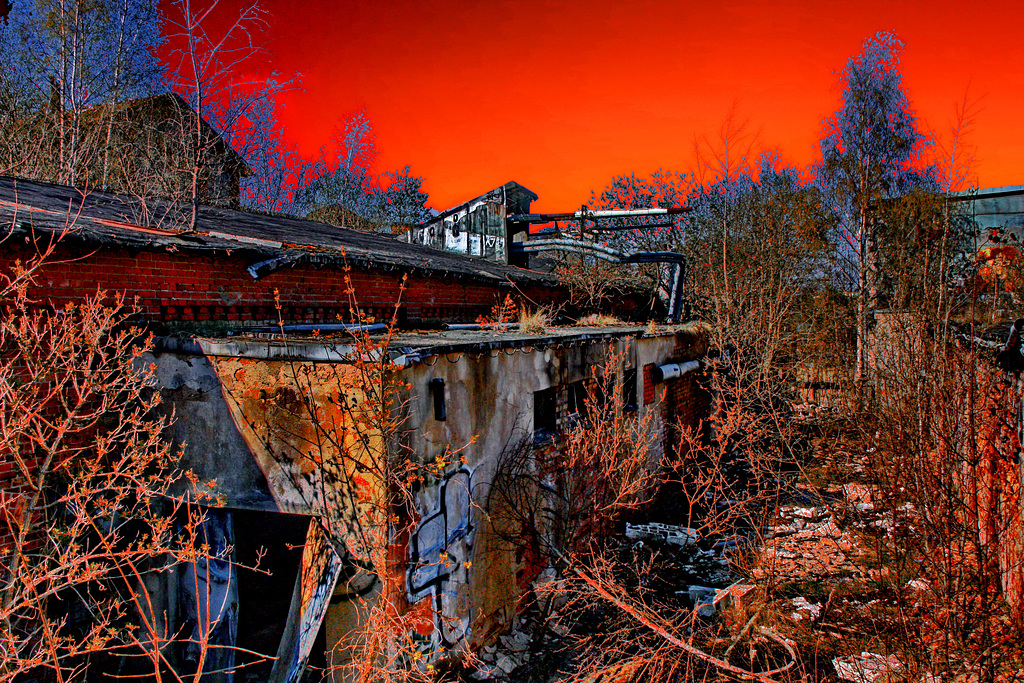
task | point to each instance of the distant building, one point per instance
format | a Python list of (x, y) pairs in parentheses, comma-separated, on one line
[(478, 227), (998, 214)]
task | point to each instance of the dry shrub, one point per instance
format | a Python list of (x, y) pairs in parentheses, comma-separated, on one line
[(90, 519), (599, 320), (501, 316), (943, 447), (533, 322)]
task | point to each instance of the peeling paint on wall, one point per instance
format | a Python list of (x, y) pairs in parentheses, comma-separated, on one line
[(302, 423)]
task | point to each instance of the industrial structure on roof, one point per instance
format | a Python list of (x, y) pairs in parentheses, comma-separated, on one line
[(496, 227)]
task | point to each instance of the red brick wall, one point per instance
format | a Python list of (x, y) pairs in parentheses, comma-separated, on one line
[(685, 405), (686, 401), (186, 286)]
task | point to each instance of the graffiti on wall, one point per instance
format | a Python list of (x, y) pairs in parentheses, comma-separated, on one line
[(455, 235), (440, 557), (209, 587)]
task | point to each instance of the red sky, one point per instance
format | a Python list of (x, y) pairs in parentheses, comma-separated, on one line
[(560, 96)]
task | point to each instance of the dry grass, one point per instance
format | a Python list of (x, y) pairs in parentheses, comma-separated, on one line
[(600, 320), (532, 322)]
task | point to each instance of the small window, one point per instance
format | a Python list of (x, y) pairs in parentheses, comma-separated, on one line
[(545, 415)]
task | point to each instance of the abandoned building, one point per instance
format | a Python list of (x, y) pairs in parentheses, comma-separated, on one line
[(234, 303), (147, 147), (244, 269), (480, 227), (478, 392)]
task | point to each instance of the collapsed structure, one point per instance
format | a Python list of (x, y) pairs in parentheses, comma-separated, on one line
[(264, 412)]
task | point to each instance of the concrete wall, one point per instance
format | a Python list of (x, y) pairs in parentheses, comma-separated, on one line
[(476, 580), (246, 430)]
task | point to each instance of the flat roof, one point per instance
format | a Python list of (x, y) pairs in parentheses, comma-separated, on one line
[(989, 192), (412, 346)]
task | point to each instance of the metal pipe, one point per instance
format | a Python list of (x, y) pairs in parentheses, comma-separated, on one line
[(572, 250), (675, 300), (478, 326), (263, 268), (663, 373), (564, 243), (604, 213), (314, 327), (619, 228)]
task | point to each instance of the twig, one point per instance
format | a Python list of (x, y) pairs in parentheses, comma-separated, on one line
[(742, 633), (700, 654)]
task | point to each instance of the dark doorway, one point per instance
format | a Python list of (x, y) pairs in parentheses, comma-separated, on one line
[(268, 550)]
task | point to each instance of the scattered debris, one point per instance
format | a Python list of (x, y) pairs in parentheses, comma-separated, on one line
[(806, 543), (500, 660), (868, 667), (804, 609), (917, 585), (667, 533)]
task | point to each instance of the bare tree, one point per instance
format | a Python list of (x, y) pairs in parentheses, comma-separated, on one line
[(203, 64), (90, 493)]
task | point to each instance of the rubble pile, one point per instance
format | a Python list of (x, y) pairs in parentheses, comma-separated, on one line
[(679, 571), (508, 654), (665, 533), (868, 667), (806, 543), (814, 541)]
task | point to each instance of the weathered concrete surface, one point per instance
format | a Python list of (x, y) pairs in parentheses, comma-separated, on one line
[(289, 435), (203, 427), (490, 409)]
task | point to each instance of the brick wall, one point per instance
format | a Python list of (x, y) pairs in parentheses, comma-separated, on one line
[(190, 287), (686, 402), (186, 286)]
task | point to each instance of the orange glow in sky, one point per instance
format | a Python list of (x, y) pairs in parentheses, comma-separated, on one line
[(561, 96)]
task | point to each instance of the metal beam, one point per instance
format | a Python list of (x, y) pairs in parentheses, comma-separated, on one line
[(675, 297)]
